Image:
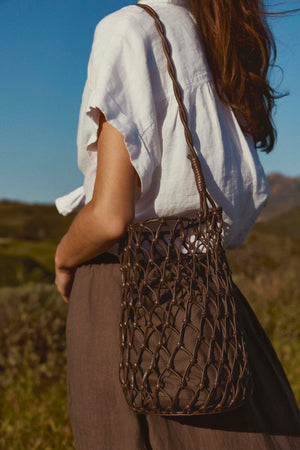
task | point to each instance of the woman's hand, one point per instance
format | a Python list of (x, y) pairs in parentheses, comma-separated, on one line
[(64, 281)]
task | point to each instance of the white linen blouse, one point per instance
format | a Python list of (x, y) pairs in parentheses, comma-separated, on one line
[(128, 81)]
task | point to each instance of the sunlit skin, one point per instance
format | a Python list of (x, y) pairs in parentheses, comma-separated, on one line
[(101, 222)]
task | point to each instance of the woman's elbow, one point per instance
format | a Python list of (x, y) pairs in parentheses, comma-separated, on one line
[(114, 223)]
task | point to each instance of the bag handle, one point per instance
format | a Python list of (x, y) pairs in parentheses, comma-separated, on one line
[(192, 156)]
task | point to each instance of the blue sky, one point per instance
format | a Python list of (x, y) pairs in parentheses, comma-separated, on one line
[(44, 51)]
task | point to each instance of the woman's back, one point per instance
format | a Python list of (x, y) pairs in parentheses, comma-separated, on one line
[(128, 81)]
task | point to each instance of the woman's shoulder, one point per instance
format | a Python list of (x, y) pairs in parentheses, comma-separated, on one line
[(121, 22)]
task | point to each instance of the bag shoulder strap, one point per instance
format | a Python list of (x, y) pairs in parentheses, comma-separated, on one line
[(192, 156)]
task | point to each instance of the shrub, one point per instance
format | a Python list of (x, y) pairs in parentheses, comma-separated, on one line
[(33, 369)]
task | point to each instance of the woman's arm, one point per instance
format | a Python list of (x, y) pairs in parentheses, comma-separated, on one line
[(101, 222)]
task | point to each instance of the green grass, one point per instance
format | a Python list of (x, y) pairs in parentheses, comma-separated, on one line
[(41, 251), (275, 298), (33, 399), (33, 369), (266, 268), (33, 394)]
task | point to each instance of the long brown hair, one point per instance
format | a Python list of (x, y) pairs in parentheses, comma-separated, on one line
[(240, 49)]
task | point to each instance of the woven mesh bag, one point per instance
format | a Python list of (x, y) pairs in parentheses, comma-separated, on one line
[(183, 350)]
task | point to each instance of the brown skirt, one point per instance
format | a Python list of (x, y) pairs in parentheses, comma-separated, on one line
[(100, 416)]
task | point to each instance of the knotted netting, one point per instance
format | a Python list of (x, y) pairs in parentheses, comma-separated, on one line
[(183, 351)]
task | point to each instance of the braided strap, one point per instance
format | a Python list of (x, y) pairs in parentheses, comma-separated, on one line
[(192, 156)]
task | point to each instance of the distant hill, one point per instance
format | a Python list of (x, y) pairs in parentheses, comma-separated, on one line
[(284, 195), (37, 222), (33, 222)]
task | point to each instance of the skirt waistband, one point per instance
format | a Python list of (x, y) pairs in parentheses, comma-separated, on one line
[(105, 257)]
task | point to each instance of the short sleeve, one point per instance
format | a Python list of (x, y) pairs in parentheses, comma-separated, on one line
[(118, 84)]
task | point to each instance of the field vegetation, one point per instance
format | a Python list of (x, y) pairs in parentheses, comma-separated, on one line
[(33, 398)]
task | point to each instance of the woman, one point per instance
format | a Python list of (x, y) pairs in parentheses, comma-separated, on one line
[(132, 151)]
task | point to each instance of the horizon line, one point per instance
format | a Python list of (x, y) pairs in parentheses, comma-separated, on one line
[(45, 202)]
